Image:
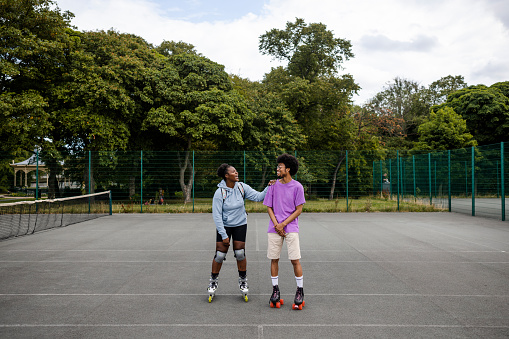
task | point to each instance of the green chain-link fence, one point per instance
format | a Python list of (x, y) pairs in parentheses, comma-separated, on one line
[(471, 181)]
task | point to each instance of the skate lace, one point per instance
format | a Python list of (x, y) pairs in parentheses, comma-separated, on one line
[(243, 283), (274, 292), (298, 295), (212, 283)]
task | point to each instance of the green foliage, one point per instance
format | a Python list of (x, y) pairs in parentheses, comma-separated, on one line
[(485, 109), (444, 130), (310, 50)]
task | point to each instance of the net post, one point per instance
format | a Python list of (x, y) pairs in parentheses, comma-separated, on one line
[(141, 181), (381, 179), (111, 203), (502, 179), (473, 181), (449, 177), (347, 180)]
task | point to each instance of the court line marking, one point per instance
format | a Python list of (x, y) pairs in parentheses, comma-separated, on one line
[(256, 261), (414, 295), (258, 325)]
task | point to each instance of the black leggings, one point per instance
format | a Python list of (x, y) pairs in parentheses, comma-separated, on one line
[(238, 233)]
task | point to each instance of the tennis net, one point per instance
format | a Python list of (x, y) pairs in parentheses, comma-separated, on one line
[(27, 217)]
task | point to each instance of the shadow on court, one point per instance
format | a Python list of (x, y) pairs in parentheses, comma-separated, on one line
[(366, 275)]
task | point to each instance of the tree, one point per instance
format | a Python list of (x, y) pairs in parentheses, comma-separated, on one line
[(444, 130), (35, 46), (485, 109), (168, 48), (310, 50), (406, 99), (439, 90), (194, 101)]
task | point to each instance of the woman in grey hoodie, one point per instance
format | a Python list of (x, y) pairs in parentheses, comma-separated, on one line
[(229, 214)]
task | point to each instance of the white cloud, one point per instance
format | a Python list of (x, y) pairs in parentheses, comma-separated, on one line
[(419, 40)]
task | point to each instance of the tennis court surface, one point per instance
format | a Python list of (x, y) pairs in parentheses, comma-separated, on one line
[(366, 275)]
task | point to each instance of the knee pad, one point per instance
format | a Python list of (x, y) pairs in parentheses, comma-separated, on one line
[(219, 257), (240, 254)]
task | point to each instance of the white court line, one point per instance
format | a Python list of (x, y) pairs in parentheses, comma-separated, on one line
[(258, 261), (198, 250), (413, 295), (257, 325)]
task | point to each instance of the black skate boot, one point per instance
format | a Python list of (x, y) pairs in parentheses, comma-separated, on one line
[(299, 302), (275, 298)]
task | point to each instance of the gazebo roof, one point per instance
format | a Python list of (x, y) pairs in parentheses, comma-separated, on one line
[(28, 162)]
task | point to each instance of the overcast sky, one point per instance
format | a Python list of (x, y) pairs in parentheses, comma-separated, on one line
[(420, 40)]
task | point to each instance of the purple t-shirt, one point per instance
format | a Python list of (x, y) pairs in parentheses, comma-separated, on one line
[(284, 198)]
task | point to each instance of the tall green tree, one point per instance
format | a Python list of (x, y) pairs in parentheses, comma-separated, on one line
[(407, 100), (310, 49), (444, 130), (194, 101), (439, 90), (485, 109), (35, 46)]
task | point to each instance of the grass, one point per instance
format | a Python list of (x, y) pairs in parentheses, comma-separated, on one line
[(367, 204)]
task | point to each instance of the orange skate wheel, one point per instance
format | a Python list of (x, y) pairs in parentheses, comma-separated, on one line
[(294, 306), (303, 303), (271, 305), (282, 301), (300, 307), (278, 305)]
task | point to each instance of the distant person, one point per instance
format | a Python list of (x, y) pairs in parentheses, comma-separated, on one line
[(229, 214), (160, 196), (284, 201)]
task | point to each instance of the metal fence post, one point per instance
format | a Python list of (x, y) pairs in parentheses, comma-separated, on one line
[(374, 187), (111, 204), (449, 176), (390, 178), (413, 170), (502, 179), (473, 181), (347, 181), (193, 181), (37, 175), (141, 175), (89, 176), (397, 174), (429, 179), (381, 178), (244, 166)]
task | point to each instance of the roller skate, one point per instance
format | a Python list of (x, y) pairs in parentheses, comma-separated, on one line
[(244, 288), (299, 302), (275, 298), (212, 288)]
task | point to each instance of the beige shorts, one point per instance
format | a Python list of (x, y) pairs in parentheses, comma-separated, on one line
[(276, 244)]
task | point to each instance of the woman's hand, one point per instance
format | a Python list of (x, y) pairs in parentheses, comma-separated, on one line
[(226, 242), (272, 182)]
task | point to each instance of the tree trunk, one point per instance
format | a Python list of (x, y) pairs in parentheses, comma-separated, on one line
[(53, 190), (334, 177), (183, 165), (132, 186), (264, 175)]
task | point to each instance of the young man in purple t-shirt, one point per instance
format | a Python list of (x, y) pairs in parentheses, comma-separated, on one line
[(284, 201)]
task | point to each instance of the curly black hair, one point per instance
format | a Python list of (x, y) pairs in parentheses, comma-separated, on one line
[(290, 162), (223, 170)]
